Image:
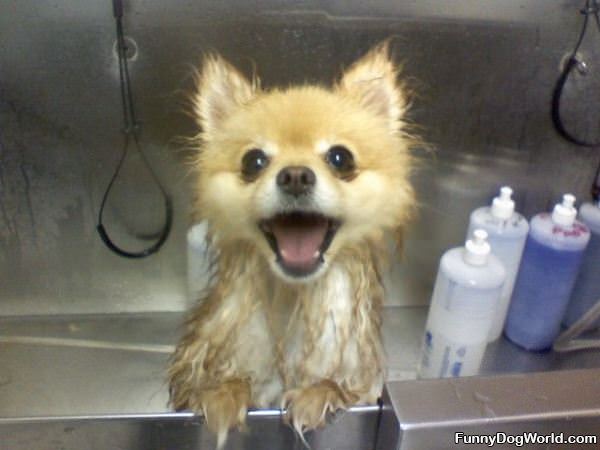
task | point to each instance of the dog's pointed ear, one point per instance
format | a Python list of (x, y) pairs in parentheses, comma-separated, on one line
[(220, 89), (373, 82)]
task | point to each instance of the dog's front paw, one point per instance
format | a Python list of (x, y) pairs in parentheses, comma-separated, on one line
[(225, 407), (308, 408)]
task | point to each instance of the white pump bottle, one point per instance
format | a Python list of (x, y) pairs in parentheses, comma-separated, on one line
[(466, 292), (507, 232)]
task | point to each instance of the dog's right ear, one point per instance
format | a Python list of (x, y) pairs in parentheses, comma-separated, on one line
[(220, 88)]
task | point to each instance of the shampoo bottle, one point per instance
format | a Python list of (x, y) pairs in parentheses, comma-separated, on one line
[(200, 262), (553, 253), (467, 289), (507, 231), (587, 287)]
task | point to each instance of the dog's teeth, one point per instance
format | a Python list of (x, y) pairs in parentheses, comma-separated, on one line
[(283, 252), (316, 254)]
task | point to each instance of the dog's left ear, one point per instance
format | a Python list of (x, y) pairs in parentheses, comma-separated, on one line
[(373, 81), (220, 89)]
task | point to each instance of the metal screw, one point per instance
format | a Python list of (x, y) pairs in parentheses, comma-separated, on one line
[(582, 67), (131, 49)]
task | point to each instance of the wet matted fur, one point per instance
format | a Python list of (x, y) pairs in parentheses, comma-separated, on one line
[(292, 320)]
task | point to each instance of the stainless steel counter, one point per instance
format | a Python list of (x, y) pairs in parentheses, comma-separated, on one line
[(115, 364), (105, 373), (356, 430), (450, 413)]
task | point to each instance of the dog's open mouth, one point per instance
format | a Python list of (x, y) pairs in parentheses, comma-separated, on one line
[(299, 239)]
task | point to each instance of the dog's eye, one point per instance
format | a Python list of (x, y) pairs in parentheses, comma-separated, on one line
[(341, 159), (253, 162)]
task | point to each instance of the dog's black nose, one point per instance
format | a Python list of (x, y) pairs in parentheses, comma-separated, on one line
[(296, 180)]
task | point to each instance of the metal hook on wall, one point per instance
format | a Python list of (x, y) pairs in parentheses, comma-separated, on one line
[(575, 61), (131, 131)]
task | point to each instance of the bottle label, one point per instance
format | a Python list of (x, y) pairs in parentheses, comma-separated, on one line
[(575, 230), (443, 357), (516, 221)]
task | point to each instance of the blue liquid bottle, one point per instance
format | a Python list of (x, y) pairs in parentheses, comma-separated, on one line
[(551, 260), (587, 287)]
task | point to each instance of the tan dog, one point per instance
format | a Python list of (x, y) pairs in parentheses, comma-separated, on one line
[(298, 187)]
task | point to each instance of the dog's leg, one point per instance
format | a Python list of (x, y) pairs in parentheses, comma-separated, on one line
[(334, 354), (223, 406), (225, 362)]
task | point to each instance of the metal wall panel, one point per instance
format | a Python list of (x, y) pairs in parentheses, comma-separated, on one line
[(483, 72)]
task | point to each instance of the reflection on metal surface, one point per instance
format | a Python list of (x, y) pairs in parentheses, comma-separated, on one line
[(83, 343)]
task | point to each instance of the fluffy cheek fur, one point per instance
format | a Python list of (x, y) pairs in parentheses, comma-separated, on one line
[(373, 203), (224, 201)]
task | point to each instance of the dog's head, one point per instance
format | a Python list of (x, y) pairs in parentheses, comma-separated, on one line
[(303, 172)]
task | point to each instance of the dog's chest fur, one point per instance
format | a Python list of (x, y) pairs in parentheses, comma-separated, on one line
[(291, 335)]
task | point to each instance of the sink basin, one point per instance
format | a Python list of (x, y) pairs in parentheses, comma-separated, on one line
[(97, 382)]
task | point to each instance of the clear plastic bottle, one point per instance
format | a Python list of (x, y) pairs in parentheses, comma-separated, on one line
[(551, 260), (507, 231), (200, 262), (467, 289), (587, 287)]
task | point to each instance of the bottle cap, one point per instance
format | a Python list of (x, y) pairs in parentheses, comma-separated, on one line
[(477, 249), (564, 213), (503, 206)]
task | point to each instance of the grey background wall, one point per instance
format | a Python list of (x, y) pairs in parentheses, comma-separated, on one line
[(483, 70)]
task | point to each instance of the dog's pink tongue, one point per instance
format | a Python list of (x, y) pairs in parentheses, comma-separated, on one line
[(299, 243)]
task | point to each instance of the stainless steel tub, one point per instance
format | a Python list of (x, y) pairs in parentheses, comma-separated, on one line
[(92, 382)]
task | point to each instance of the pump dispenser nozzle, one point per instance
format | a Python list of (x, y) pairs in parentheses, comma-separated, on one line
[(477, 249), (503, 206), (564, 213)]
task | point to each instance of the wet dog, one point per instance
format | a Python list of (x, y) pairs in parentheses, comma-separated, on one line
[(299, 188)]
